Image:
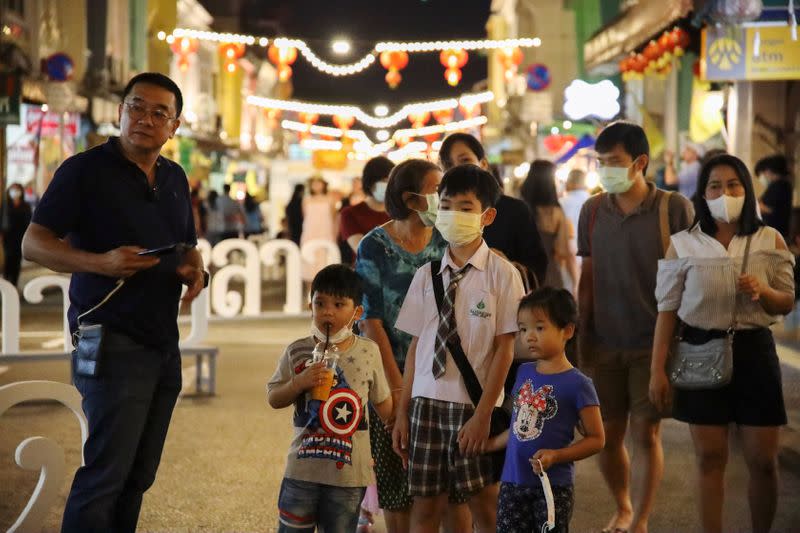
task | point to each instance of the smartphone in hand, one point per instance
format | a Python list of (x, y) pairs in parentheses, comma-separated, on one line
[(177, 247)]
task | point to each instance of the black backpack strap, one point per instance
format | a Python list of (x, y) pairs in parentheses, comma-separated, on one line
[(471, 382)]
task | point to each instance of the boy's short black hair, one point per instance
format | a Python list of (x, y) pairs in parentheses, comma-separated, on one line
[(447, 146), (160, 80), (339, 280), (557, 304), (471, 178), (630, 136), (376, 169)]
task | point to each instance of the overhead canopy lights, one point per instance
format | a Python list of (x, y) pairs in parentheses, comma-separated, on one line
[(467, 101)]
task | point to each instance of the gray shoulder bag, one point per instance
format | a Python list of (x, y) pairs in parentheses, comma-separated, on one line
[(708, 365)]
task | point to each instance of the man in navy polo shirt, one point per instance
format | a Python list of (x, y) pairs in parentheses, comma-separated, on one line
[(103, 207)]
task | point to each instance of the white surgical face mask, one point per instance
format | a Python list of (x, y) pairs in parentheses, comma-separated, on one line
[(379, 191), (428, 217), (459, 228), (340, 336), (614, 179), (14, 194), (726, 208)]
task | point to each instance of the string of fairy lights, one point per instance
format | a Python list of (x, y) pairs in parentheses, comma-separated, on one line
[(393, 56), (357, 66)]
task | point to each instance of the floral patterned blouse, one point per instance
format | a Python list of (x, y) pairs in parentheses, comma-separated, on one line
[(387, 270)]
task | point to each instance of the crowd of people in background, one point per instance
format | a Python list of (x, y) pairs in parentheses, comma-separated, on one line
[(637, 259)]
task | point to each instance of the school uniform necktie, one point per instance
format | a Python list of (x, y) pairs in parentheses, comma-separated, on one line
[(447, 323)]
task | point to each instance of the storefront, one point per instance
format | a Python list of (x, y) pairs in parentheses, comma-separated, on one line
[(759, 62), (39, 144), (658, 40)]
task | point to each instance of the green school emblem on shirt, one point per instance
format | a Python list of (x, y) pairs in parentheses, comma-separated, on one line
[(479, 312)]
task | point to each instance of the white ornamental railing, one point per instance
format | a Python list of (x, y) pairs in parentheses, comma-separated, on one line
[(233, 260)]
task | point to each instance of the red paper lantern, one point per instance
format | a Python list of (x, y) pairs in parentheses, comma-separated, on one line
[(184, 46), (443, 116), (393, 79), (511, 57), (453, 76), (652, 51), (469, 112), (455, 58), (666, 43), (230, 52), (394, 62), (419, 119), (397, 60), (282, 55), (308, 118), (681, 39), (639, 63), (344, 122)]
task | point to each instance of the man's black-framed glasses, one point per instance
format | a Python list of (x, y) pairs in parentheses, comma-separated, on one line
[(139, 112)]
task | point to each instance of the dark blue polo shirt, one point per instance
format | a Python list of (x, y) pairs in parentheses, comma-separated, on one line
[(100, 200)]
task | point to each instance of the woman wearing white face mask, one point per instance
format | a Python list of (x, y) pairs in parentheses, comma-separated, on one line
[(701, 281), (358, 220)]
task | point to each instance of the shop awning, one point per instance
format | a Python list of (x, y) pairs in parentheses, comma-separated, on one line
[(630, 30)]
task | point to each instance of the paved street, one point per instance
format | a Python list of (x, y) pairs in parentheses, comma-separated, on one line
[(224, 455)]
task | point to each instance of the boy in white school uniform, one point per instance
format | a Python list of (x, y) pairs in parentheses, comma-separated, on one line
[(438, 430)]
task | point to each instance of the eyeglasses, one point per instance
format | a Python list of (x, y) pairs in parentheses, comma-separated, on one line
[(139, 112)]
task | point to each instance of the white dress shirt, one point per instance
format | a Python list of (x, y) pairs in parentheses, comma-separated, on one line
[(485, 307)]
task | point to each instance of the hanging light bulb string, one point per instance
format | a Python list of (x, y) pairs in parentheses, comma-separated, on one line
[(357, 66), (468, 101)]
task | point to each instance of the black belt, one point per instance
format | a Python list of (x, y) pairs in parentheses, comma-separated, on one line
[(694, 335)]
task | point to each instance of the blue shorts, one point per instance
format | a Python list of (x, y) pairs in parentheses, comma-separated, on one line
[(304, 505)]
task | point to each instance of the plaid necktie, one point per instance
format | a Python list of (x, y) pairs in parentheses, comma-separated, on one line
[(447, 324)]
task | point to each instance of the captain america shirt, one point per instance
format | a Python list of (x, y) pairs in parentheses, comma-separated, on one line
[(331, 438), (546, 412)]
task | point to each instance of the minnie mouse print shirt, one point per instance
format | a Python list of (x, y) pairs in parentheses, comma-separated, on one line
[(546, 412)]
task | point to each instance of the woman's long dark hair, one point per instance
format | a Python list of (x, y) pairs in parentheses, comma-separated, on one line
[(748, 221), (539, 188)]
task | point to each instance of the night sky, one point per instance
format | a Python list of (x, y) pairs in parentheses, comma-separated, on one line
[(364, 23)]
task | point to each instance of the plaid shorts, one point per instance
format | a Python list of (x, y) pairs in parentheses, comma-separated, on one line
[(435, 465)]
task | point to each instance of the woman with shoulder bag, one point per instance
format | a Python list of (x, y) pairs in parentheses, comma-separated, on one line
[(728, 278)]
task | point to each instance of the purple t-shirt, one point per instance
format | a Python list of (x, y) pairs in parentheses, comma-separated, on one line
[(546, 410)]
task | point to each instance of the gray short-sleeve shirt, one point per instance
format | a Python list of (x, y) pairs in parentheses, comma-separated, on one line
[(625, 250)]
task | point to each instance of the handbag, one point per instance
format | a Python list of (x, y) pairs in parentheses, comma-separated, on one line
[(708, 365), (501, 416)]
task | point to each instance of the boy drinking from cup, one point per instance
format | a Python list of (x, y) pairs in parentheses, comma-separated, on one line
[(329, 377)]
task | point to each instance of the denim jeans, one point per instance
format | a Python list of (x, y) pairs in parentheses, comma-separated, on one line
[(303, 505), (128, 406)]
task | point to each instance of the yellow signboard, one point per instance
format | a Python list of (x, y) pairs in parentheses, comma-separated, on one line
[(751, 53)]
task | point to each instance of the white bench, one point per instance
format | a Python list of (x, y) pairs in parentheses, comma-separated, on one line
[(204, 386), (191, 346)]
